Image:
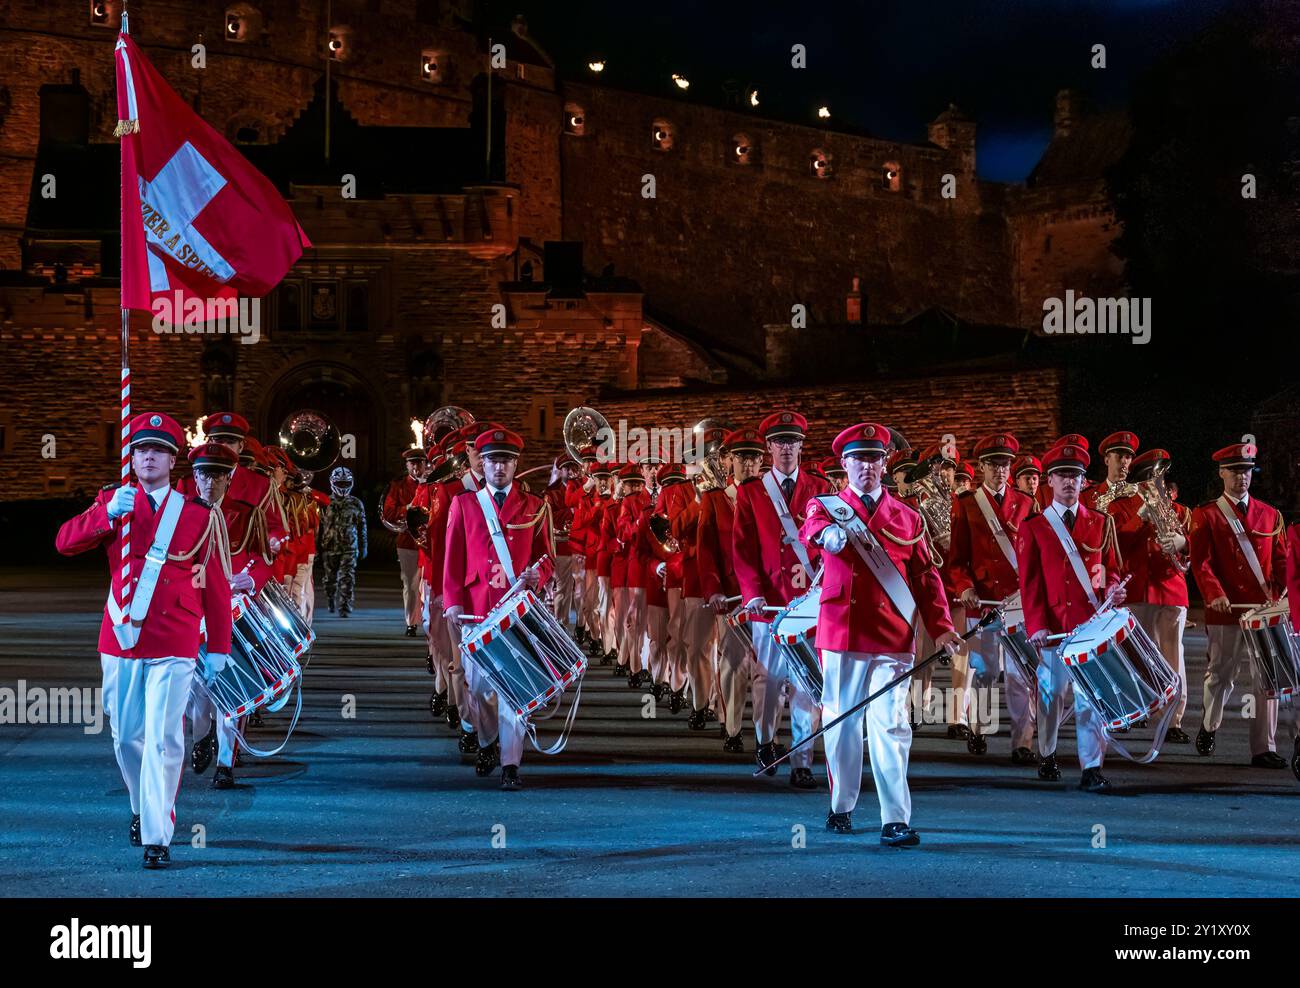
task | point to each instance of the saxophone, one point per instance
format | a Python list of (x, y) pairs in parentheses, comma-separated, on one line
[(1158, 509), (933, 501), (1114, 492)]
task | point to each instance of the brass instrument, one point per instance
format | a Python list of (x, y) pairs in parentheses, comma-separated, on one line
[(581, 426), (310, 440), (661, 532), (1114, 492), (417, 517), (712, 476), (446, 419), (1163, 516), (933, 500)]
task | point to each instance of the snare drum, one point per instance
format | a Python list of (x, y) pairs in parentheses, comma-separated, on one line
[(525, 654), (275, 604), (261, 670), (1274, 650), (1015, 642), (1117, 669), (795, 630)]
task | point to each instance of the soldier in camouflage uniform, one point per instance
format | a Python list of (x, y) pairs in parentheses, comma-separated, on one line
[(342, 540)]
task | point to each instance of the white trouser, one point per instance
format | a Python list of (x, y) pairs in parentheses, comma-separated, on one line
[(848, 679), (492, 722), (735, 668), (203, 715), (675, 642), (1227, 649), (987, 659), (566, 568), (1054, 684), (697, 632), (408, 561), (615, 629), (145, 700), (955, 708), (770, 675), (634, 619), (591, 598), (601, 617), (439, 646), (654, 648), (303, 590), (1165, 624)]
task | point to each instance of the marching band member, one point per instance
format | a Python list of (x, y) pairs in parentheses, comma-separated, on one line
[(1067, 561), (148, 660), (676, 492), (1044, 493), (1027, 472), (564, 493), (865, 631), (1117, 450), (1239, 558), (629, 481), (695, 622), (587, 538), (741, 454), (1156, 565), (635, 505), (982, 565), (400, 493), (833, 472), (774, 567), (494, 536), (597, 596)]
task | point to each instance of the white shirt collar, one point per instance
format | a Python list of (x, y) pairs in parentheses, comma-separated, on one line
[(1244, 500), (504, 490), (993, 493), (873, 496), (1061, 507), (781, 478)]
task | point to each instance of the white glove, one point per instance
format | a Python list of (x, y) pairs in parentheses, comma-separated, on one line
[(833, 539), (1175, 543), (661, 569), (213, 666), (122, 503)]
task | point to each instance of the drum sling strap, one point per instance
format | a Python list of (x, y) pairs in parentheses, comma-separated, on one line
[(1247, 549), (995, 526), (128, 632), (787, 522), (873, 554), (489, 509)]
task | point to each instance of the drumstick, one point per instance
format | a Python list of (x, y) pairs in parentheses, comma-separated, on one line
[(729, 600)]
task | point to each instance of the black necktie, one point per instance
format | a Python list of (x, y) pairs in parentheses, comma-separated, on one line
[(787, 488), (998, 497), (1069, 520), (871, 503), (1241, 509), (500, 498)]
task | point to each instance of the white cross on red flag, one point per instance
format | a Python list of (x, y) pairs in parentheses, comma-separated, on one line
[(196, 216)]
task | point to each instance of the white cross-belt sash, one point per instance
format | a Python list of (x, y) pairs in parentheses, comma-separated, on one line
[(467, 480), (1072, 553), (493, 520), (787, 522), (128, 633), (995, 526), (1247, 548), (879, 564)]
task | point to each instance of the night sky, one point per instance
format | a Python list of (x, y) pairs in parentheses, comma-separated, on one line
[(886, 68)]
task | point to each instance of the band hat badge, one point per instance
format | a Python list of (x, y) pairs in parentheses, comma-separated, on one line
[(213, 456), (1237, 455), (499, 440), (225, 424), (1068, 457), (744, 441), (1028, 464), (1124, 442), (1000, 446), (151, 427), (864, 438), (784, 425)]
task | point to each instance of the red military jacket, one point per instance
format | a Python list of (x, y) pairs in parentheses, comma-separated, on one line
[(1220, 566), (586, 527), (248, 508), (673, 501), (975, 560), (631, 511), (171, 626), (472, 575), (1050, 592), (857, 615), (613, 548), (1154, 578), (685, 523), (713, 540), (766, 565), (1293, 574), (400, 493), (565, 500)]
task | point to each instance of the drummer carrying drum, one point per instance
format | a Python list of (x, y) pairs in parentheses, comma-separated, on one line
[(173, 579), (494, 536), (1068, 564)]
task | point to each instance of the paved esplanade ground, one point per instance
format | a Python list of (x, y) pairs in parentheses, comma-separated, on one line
[(382, 804)]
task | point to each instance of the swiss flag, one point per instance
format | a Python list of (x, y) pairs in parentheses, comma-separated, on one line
[(196, 216)]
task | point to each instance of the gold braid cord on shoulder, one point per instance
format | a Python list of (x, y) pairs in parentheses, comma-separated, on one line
[(545, 510), (214, 536), (1277, 530), (935, 558)]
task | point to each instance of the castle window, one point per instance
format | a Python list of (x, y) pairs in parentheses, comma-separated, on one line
[(575, 120), (339, 45), (433, 66), (104, 13), (819, 164), (661, 135), (742, 149), (243, 23), (891, 177)]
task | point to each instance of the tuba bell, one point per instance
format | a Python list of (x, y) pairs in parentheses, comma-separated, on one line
[(310, 440), (933, 499), (446, 419), (581, 426), (712, 476)]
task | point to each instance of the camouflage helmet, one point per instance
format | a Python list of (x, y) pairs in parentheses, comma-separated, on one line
[(341, 480)]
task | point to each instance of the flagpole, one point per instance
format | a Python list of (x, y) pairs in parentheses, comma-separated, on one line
[(329, 57), (125, 595), (487, 150)]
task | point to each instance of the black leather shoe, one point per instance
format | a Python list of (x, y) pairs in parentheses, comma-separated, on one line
[(899, 835), (765, 756), (676, 701), (510, 777), (428, 663), (697, 721), (802, 778), (345, 613), (255, 719), (1177, 735), (331, 603), (202, 752), (710, 713), (734, 745), (977, 744), (722, 731), (157, 856), (489, 757), (1204, 742), (612, 656), (958, 732), (411, 632), (467, 743), (580, 636), (438, 703), (223, 778), (1093, 781), (1295, 759), (1268, 759), (1023, 756), (135, 830), (453, 716), (1048, 770), (839, 823)]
